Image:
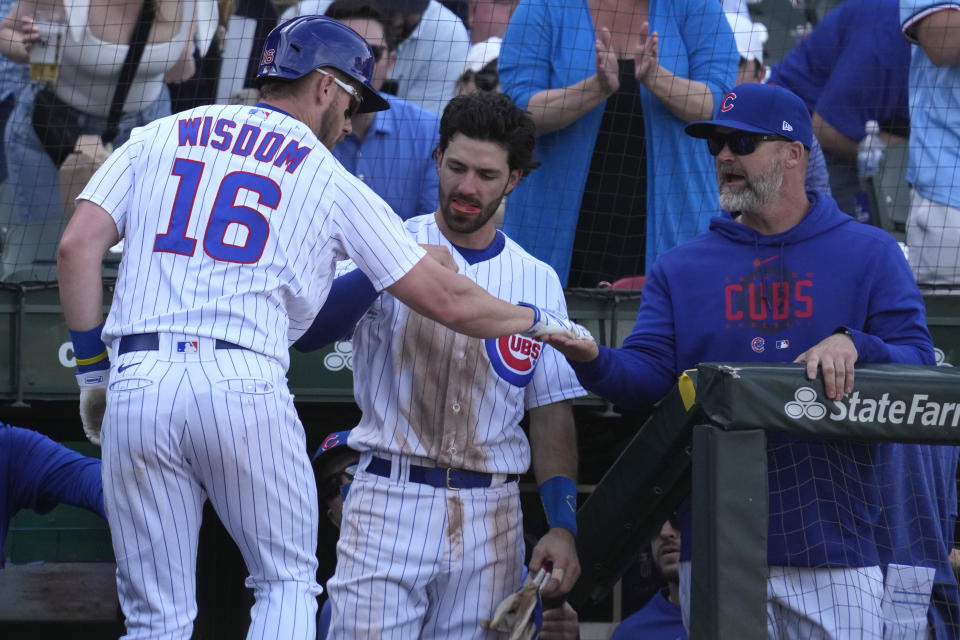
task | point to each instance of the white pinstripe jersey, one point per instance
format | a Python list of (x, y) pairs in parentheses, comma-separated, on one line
[(428, 392), (233, 218)]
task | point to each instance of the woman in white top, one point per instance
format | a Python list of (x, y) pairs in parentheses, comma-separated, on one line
[(98, 33)]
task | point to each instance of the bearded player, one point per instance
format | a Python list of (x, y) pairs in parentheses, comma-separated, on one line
[(432, 535)]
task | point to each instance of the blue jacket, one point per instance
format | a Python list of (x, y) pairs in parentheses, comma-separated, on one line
[(736, 295), (395, 158), (919, 513), (659, 619), (552, 44), (37, 473), (853, 67)]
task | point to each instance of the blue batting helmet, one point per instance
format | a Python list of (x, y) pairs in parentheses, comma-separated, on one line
[(298, 46)]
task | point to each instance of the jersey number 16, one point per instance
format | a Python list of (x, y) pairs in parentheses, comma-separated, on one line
[(224, 213)]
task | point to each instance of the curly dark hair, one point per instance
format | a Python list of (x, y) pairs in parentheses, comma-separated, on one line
[(492, 117)]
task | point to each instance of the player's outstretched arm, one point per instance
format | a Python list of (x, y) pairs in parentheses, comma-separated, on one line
[(351, 295), (459, 303), (553, 445)]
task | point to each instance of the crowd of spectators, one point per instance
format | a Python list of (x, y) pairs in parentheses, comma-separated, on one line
[(610, 84)]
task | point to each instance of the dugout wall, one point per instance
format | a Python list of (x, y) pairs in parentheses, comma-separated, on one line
[(713, 440)]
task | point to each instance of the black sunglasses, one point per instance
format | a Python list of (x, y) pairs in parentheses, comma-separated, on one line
[(484, 80), (355, 98), (741, 143), (378, 51)]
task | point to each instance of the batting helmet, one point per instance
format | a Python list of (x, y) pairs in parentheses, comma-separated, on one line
[(298, 46)]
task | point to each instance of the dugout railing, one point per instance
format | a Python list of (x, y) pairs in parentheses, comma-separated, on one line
[(707, 439)]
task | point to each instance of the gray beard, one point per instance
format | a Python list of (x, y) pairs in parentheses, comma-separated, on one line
[(756, 193)]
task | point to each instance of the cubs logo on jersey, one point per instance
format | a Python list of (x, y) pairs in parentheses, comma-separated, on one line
[(514, 358)]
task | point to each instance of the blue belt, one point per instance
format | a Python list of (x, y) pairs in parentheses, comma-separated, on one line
[(439, 477), (151, 342)]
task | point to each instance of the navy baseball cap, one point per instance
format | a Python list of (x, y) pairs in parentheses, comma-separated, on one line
[(334, 441), (760, 108)]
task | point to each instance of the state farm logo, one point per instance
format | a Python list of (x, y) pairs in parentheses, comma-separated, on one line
[(340, 358), (941, 357), (514, 358), (805, 405), (919, 409)]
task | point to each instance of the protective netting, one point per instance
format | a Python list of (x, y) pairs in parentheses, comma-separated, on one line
[(620, 181)]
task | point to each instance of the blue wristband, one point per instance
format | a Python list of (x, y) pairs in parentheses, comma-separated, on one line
[(559, 496), (89, 350), (536, 312)]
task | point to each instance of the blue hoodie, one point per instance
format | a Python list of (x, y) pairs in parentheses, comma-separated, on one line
[(736, 295)]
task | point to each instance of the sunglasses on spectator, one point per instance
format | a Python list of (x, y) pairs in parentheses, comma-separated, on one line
[(482, 80), (355, 98), (741, 143), (486, 80), (378, 51)]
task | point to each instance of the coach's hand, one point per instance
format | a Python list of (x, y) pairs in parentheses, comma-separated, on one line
[(559, 547), (547, 323), (835, 355), (576, 350), (93, 402), (442, 255)]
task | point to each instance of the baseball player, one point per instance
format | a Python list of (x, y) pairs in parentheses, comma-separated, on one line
[(233, 218), (432, 536)]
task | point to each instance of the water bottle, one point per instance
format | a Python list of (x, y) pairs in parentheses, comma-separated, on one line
[(869, 154)]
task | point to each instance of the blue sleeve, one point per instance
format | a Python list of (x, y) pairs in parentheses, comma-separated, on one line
[(640, 372), (896, 327), (350, 296), (817, 177), (869, 79), (711, 47), (525, 56), (43, 473), (323, 621)]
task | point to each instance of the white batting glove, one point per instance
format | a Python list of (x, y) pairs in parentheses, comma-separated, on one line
[(93, 402), (547, 322)]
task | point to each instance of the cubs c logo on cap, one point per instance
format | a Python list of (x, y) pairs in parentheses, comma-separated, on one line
[(514, 358), (727, 102), (331, 441)]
